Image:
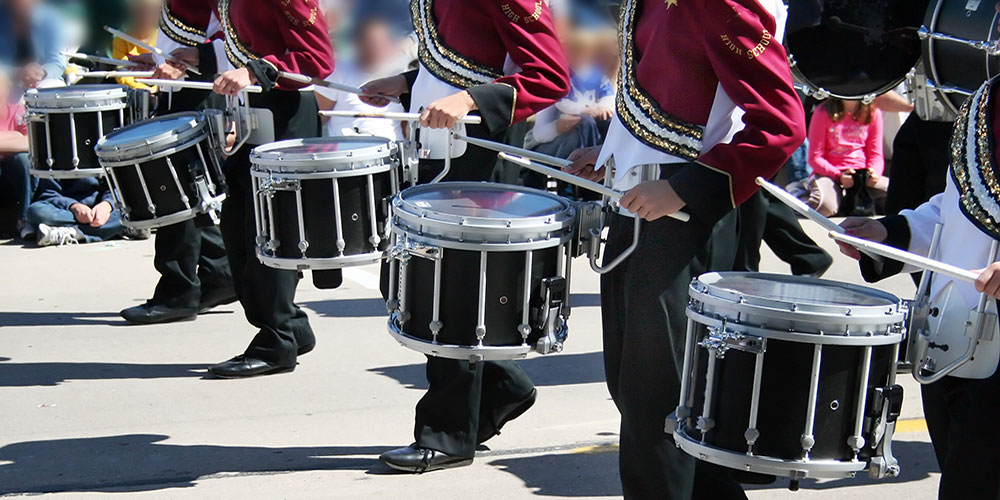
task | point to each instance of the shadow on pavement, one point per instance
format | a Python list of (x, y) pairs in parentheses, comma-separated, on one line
[(916, 462), (34, 374), (556, 369), (347, 308), (596, 474), (138, 462), (566, 474), (375, 307), (13, 318)]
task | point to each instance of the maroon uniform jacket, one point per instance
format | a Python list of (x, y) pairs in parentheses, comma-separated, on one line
[(504, 52), (186, 21), (268, 36), (676, 54)]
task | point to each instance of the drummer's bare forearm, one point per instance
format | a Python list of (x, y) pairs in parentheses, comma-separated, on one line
[(13, 142), (893, 102)]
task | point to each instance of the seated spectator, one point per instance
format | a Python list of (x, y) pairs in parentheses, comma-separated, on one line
[(32, 42), (580, 119), (143, 24), (14, 165), (845, 153), (376, 54), (74, 211)]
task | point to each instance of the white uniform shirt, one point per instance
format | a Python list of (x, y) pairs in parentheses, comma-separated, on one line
[(348, 73), (962, 244)]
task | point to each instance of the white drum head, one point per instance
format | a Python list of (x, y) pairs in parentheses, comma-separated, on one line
[(75, 96), (484, 212), (151, 137), (323, 154), (781, 305), (753, 287)]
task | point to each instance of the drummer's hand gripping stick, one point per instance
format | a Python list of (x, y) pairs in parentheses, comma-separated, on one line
[(238, 113), (591, 234), (979, 326), (156, 50), (411, 146), (319, 82)]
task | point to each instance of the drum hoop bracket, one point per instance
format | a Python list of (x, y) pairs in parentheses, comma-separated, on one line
[(406, 248), (720, 340), (888, 338)]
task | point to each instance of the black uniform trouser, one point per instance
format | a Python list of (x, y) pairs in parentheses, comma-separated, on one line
[(189, 258), (267, 294), (961, 418), (643, 310), (766, 219), (921, 155), (460, 399)]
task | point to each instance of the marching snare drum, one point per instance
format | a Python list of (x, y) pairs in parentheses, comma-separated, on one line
[(64, 124), (853, 48), (323, 203), (165, 170), (480, 271), (790, 376)]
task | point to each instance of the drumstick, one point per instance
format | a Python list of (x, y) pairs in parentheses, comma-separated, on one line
[(905, 257), (400, 117), (572, 179), (185, 84), (519, 152), (115, 74), (103, 60), (156, 50), (799, 206), (319, 82)]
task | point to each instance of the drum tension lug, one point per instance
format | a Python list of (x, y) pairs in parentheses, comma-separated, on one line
[(721, 340), (548, 319), (473, 360)]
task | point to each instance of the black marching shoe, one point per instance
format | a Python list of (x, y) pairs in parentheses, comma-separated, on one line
[(149, 314), (215, 297), (503, 415), (419, 460), (243, 366)]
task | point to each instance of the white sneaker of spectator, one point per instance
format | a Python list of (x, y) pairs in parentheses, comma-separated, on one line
[(58, 235)]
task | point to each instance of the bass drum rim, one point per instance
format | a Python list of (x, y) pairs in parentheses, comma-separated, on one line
[(928, 51), (823, 92)]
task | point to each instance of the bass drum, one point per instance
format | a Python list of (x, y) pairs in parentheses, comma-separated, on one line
[(953, 70), (853, 48)]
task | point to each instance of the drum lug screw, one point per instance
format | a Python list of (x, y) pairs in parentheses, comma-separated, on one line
[(705, 424), (856, 443), (807, 441)]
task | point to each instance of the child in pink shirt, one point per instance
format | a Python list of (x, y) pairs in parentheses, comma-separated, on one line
[(845, 139), (14, 165)]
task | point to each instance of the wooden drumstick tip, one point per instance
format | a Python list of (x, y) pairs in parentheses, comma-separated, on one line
[(760, 181)]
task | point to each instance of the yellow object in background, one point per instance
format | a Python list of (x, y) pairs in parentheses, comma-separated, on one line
[(121, 49)]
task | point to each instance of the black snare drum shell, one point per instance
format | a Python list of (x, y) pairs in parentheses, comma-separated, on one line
[(87, 135), (784, 398), (320, 217), (161, 184), (460, 295)]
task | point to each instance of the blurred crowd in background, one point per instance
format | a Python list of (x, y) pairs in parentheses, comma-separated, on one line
[(841, 169)]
